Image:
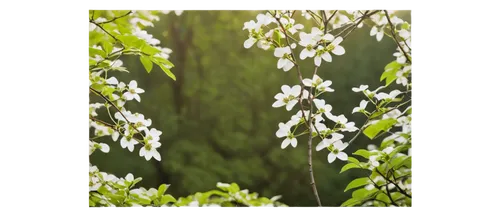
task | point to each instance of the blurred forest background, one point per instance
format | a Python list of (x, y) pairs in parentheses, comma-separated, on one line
[(217, 121)]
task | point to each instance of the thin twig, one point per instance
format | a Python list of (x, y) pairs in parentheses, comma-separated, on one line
[(357, 23), (309, 143), (397, 186), (395, 37), (112, 104), (302, 86), (114, 19), (328, 20), (389, 195)]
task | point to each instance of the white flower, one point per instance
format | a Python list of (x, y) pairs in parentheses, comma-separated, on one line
[(141, 123), (264, 44), (377, 32), (131, 117), (129, 177), (149, 38), (133, 92), (103, 147), (112, 81), (307, 41), (320, 126), (284, 131), (335, 46), (295, 119), (338, 146), (288, 97), (128, 142), (400, 57), (347, 126), (149, 150), (283, 54), (361, 88), (250, 25), (329, 141), (404, 34), (371, 147), (373, 161), (136, 20), (289, 25), (338, 20), (264, 19), (193, 204), (321, 54), (401, 79), (362, 106), (93, 107), (384, 96), (318, 83), (388, 150), (324, 108), (153, 135), (249, 42)]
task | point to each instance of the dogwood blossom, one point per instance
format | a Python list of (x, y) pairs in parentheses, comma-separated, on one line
[(284, 131), (335, 46), (149, 150), (361, 88), (378, 32), (337, 152), (390, 96), (318, 83), (288, 97), (284, 62), (128, 142), (308, 42), (321, 53), (324, 108), (346, 126), (329, 141), (289, 25), (361, 107), (133, 92)]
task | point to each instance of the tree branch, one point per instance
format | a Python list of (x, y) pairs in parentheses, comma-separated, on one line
[(302, 86), (395, 37), (112, 104), (397, 186), (309, 143), (114, 19)]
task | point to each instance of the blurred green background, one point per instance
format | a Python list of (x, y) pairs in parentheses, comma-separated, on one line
[(217, 120)]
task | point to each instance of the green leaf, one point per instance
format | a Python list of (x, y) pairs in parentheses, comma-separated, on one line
[(405, 26), (107, 46), (357, 183), (167, 71), (150, 50), (386, 143), (146, 62), (382, 125), (351, 202), (167, 199), (161, 190), (399, 161), (233, 188), (390, 72), (363, 153), (107, 91), (349, 166), (160, 60), (95, 51), (91, 203), (363, 193), (352, 160)]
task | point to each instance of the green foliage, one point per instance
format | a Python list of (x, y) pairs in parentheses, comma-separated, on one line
[(217, 119)]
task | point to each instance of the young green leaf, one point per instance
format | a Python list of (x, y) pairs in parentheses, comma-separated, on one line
[(146, 62), (161, 190), (357, 183), (363, 153), (167, 71), (351, 202), (167, 199), (382, 125), (349, 166), (352, 160)]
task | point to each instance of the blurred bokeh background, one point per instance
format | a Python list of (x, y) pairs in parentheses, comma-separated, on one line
[(217, 121)]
